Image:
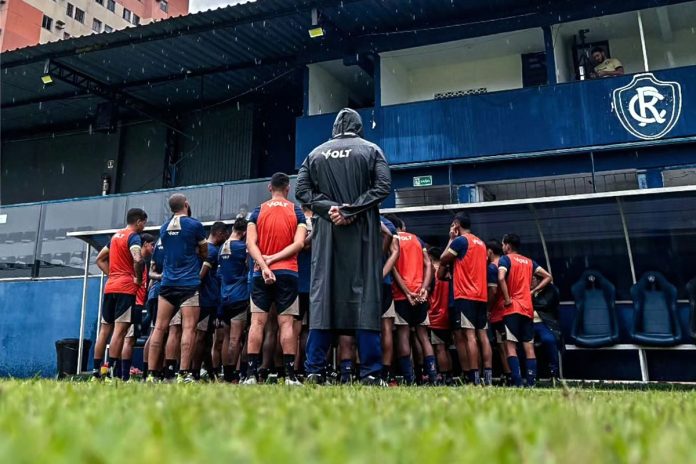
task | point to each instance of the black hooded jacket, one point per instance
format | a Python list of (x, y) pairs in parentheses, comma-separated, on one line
[(352, 173)]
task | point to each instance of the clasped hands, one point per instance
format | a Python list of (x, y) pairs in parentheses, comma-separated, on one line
[(337, 218)]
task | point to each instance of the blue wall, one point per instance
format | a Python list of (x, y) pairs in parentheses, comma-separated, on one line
[(35, 314), (555, 117)]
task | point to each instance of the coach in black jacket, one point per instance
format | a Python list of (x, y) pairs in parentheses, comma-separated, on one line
[(343, 181)]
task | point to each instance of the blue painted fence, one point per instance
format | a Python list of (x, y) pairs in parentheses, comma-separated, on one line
[(555, 117)]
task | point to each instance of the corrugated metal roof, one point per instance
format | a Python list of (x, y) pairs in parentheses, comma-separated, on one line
[(218, 54)]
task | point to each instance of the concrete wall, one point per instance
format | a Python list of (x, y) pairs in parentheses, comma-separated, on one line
[(326, 94)]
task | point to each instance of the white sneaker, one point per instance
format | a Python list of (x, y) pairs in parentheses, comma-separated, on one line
[(251, 380), (293, 382)]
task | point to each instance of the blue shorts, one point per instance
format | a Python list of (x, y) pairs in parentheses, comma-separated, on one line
[(519, 328), (283, 293), (471, 314)]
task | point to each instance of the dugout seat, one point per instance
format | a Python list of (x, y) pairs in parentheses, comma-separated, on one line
[(655, 320), (595, 323), (691, 290)]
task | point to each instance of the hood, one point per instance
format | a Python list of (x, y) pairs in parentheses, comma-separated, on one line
[(348, 122)]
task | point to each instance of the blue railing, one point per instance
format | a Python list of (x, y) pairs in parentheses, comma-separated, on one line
[(547, 118)]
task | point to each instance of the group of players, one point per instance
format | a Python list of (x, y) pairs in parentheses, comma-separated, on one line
[(238, 301)]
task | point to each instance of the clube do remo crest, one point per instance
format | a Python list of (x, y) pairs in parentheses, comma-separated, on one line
[(647, 107)]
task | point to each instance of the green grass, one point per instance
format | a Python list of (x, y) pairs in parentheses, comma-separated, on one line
[(55, 422)]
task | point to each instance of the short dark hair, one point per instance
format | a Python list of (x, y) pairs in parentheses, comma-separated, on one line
[(435, 252), (396, 220), (495, 246), (513, 241), (279, 181), (218, 227), (240, 225), (177, 202), (463, 220), (596, 49), (147, 238), (134, 215)]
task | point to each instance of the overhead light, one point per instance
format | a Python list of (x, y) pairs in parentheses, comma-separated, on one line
[(47, 79), (316, 32)]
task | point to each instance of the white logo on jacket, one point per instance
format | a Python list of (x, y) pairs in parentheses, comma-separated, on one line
[(335, 154)]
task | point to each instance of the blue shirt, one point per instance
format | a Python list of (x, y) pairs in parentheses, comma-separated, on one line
[(234, 286), (492, 274), (392, 230), (180, 237), (210, 287), (505, 262), (158, 261), (460, 245)]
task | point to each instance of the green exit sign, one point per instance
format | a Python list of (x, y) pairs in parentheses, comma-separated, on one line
[(423, 181)]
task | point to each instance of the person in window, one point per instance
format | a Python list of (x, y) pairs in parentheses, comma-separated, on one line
[(546, 328), (605, 67)]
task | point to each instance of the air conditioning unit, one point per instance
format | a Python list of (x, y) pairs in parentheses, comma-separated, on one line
[(60, 24)]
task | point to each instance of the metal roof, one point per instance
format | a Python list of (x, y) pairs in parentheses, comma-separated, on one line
[(204, 58)]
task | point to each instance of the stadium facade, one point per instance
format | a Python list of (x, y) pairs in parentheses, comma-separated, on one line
[(483, 106)]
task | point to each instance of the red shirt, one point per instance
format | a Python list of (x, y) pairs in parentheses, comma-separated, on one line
[(276, 224), (498, 307), (519, 279), (141, 295), (470, 268), (121, 272), (438, 313), (409, 265)]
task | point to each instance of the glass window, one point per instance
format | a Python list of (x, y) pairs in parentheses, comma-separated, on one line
[(96, 25), (60, 255), (662, 231), (111, 5), (108, 28), (70, 9), (79, 15), (136, 19), (47, 23), (18, 233), (582, 236), (164, 6), (66, 35), (127, 14), (670, 35), (101, 2), (205, 204)]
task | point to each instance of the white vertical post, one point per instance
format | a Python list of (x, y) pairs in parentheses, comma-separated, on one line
[(541, 235), (642, 41), (101, 300), (84, 309), (643, 359)]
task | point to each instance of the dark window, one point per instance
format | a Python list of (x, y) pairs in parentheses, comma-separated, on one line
[(18, 233), (164, 6), (136, 19), (47, 23), (108, 28), (79, 15), (66, 35), (101, 2), (127, 14), (70, 10), (96, 25), (111, 5)]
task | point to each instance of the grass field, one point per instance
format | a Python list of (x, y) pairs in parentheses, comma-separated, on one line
[(60, 422)]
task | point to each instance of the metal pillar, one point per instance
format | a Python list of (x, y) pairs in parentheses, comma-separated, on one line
[(83, 311), (541, 235), (101, 301), (642, 41), (628, 241)]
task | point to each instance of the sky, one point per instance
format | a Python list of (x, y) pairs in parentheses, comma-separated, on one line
[(202, 5)]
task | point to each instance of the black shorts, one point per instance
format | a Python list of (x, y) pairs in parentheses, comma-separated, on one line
[(117, 307), (411, 315), (135, 329), (283, 292), (440, 337), (498, 331), (519, 328), (233, 311), (177, 296), (472, 314), (387, 298), (304, 306)]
